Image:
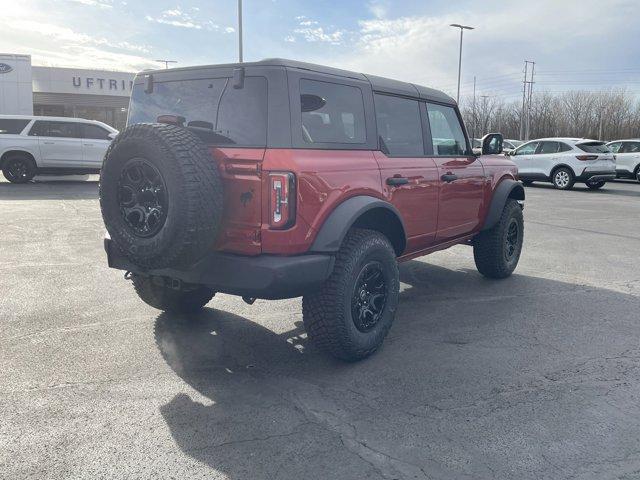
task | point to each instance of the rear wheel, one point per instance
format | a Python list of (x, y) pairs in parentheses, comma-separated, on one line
[(563, 179), (637, 173), (497, 251), (351, 314), (156, 293), (596, 185), (19, 169)]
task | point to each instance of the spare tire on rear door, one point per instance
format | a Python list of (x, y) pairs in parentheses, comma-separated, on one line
[(160, 195)]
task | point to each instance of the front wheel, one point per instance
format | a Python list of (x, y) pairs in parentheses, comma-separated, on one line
[(563, 179), (596, 185), (497, 251), (157, 294), (19, 169), (351, 314)]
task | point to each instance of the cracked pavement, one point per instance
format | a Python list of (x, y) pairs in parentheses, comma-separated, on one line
[(533, 377)]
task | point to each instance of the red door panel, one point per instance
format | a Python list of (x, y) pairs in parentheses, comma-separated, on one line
[(417, 200), (461, 198)]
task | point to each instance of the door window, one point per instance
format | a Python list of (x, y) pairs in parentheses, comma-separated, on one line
[(548, 147), (527, 149), (331, 113), (447, 135), (399, 126), (563, 147), (630, 147), (94, 132), (54, 129)]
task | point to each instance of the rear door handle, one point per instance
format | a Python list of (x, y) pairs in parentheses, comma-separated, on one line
[(49, 143), (395, 181), (88, 144), (449, 177)]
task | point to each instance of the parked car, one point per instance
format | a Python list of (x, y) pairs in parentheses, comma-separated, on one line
[(31, 145), (627, 158), (279, 179), (564, 161)]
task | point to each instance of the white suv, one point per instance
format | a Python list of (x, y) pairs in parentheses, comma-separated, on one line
[(32, 146), (564, 161), (627, 157)]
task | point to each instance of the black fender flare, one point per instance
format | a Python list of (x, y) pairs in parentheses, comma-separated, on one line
[(345, 215), (507, 188)]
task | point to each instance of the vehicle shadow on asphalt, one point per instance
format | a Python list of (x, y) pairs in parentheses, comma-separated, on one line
[(58, 190), (471, 372), (608, 189)]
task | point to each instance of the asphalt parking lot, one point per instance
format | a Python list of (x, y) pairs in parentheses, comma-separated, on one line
[(533, 377)]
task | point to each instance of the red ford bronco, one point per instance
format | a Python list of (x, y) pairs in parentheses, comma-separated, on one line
[(278, 179)]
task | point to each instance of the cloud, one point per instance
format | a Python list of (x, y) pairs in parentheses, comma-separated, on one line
[(177, 17), (94, 3), (378, 8), (311, 31)]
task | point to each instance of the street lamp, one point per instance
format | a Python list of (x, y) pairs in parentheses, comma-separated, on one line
[(167, 62), (462, 29), (240, 30)]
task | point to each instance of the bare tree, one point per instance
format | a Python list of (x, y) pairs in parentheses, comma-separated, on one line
[(607, 115)]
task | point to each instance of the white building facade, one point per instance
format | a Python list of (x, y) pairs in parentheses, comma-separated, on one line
[(63, 92)]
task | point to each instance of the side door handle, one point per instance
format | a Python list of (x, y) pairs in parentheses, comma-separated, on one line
[(88, 144), (49, 143), (449, 177), (396, 181)]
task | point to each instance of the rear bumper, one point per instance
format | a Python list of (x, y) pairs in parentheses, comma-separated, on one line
[(262, 276), (597, 176)]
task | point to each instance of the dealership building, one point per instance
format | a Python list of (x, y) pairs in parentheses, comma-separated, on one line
[(63, 92)]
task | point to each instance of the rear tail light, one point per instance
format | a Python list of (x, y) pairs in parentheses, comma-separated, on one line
[(587, 157), (283, 199)]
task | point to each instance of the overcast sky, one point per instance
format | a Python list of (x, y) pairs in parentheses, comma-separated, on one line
[(584, 44)]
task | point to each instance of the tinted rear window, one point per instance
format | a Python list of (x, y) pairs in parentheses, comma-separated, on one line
[(10, 126), (593, 147), (212, 108)]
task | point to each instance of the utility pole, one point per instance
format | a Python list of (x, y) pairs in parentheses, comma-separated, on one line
[(167, 62), (524, 98), (473, 109), (533, 67), (240, 31), (484, 111), (462, 29)]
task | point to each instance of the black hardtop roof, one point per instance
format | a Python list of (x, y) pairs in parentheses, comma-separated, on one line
[(379, 84)]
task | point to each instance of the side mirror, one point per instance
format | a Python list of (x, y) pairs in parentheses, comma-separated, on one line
[(492, 144), (112, 135)]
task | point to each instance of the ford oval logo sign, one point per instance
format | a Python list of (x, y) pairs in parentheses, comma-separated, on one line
[(4, 68)]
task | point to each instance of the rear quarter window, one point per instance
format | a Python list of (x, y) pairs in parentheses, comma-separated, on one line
[(11, 126), (211, 108)]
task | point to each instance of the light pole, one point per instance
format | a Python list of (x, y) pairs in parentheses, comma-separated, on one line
[(167, 62), (240, 31), (462, 29)]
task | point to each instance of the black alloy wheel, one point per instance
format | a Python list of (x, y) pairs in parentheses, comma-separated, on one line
[(142, 197), (18, 169), (369, 297), (511, 240)]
